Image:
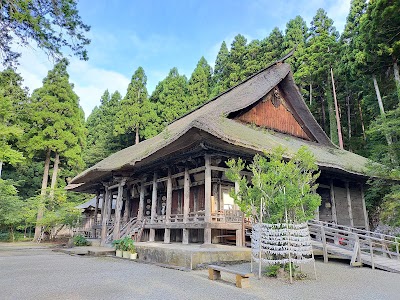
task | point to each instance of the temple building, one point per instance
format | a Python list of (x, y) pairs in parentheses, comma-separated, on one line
[(173, 186)]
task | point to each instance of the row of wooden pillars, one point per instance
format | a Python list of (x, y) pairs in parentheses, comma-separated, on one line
[(107, 204)]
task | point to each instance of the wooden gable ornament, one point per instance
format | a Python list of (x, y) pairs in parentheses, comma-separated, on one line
[(274, 112)]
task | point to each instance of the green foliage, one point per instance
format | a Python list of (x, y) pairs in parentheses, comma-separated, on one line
[(277, 186), (199, 86), (272, 270), (101, 141), (57, 119), (124, 244), (10, 207), (53, 25), (11, 98), (136, 114), (80, 240), (170, 97)]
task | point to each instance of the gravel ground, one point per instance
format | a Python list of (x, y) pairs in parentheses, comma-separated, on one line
[(31, 272)]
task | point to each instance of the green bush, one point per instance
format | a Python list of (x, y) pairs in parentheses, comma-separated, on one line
[(125, 244), (272, 270), (80, 240)]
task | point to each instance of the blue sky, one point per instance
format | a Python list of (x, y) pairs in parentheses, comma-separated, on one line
[(159, 35)]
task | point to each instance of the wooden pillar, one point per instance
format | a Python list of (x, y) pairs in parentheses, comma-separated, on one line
[(96, 209), (118, 208), (109, 205), (127, 210), (334, 215), (153, 208), (104, 214), (349, 204), (366, 220), (186, 195), (186, 202), (141, 200), (167, 233), (207, 200), (215, 206)]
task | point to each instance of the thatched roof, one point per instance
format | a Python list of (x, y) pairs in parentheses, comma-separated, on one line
[(212, 118)]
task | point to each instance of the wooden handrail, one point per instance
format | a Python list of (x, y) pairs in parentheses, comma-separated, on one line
[(360, 241)]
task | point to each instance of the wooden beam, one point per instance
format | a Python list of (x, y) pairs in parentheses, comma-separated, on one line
[(334, 214), (111, 187), (349, 204), (222, 169)]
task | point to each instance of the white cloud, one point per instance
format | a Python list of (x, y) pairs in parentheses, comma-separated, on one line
[(338, 12), (89, 81)]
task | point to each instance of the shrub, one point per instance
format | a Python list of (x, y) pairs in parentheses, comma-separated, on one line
[(272, 270), (80, 240), (125, 244)]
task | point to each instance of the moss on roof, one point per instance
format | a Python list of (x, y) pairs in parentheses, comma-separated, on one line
[(212, 118)]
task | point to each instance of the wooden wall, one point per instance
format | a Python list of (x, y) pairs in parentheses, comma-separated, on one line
[(272, 112), (342, 208), (357, 206), (325, 210)]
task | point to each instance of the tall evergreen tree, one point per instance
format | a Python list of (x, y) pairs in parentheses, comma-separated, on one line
[(381, 31), (170, 97), (135, 110), (199, 86), (296, 34), (57, 127), (101, 141), (235, 64), (12, 97), (319, 57), (220, 70), (272, 47)]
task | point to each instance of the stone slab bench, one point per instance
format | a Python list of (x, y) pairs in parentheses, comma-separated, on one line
[(242, 278)]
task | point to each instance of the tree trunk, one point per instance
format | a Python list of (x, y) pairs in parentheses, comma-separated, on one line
[(310, 93), (54, 175), (58, 230), (137, 135), (381, 108), (12, 234), (348, 119), (1, 167), (323, 113), (339, 128), (361, 119), (396, 77), (378, 96), (45, 179)]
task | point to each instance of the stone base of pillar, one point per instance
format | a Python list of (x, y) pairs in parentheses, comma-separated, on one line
[(152, 235), (239, 241), (167, 236), (185, 236), (207, 236)]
